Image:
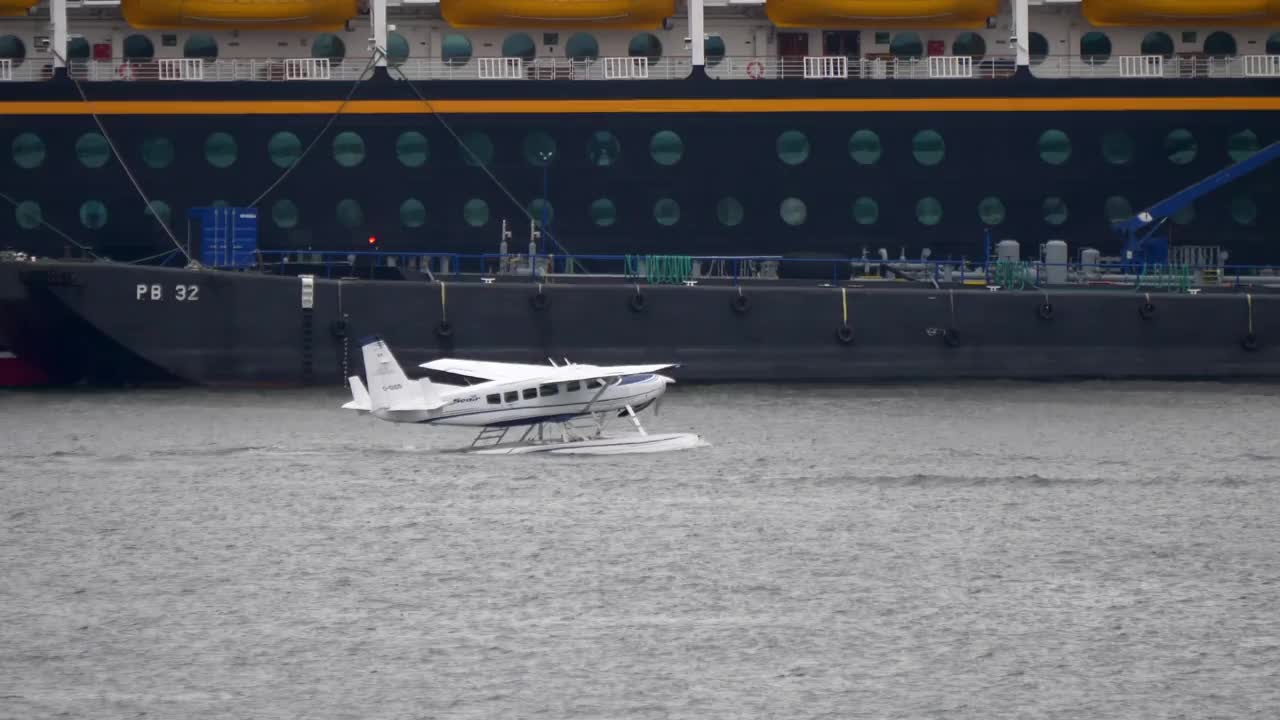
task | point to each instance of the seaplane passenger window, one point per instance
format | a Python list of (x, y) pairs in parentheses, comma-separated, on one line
[(545, 390), (493, 399), (530, 393), (511, 397), (574, 386), (594, 384)]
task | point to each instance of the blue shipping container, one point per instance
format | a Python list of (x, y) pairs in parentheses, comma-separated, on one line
[(228, 236)]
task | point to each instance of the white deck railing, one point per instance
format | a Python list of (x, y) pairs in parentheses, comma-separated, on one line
[(826, 68), (951, 67)]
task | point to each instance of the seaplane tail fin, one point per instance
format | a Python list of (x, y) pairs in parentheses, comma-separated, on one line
[(389, 388), (360, 401)]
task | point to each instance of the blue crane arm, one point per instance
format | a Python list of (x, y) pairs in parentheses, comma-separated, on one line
[(1189, 194)]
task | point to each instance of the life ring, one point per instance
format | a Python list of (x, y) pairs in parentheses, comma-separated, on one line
[(1045, 310), (444, 329), (639, 302), (951, 337), (844, 334), (125, 71), (755, 69), (539, 301), (1249, 342), (1147, 310), (740, 304)]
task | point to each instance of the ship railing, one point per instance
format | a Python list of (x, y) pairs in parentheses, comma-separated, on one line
[(498, 68), (1177, 67), (938, 67), (24, 70)]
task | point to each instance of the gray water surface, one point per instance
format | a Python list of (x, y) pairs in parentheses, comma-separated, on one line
[(973, 551)]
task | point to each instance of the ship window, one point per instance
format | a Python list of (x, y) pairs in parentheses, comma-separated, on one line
[(793, 147), (93, 150), (865, 211), (477, 149), (1055, 147), (1117, 208), (929, 211), (714, 50), (159, 211), (1220, 44), (666, 147), (928, 147), (77, 49), (646, 45), (1244, 210), (413, 214), (1117, 147), (573, 386), (970, 44), (348, 149), (520, 46), (510, 397), (200, 45), (493, 399), (412, 149), (93, 214), (1242, 144), (1273, 44), (1186, 215), (603, 213), (539, 148), (350, 215), (729, 212), (28, 151), (397, 49), (138, 47), (548, 390), (1055, 210), (793, 211), (991, 211), (666, 211), (285, 214), (603, 148), (530, 393), (27, 215), (476, 212), (1039, 47), (1180, 146), (284, 148), (582, 46), (157, 153), (12, 48), (220, 150), (864, 147), (1095, 48), (542, 212), (455, 49), (329, 46), (906, 45), (1157, 43)]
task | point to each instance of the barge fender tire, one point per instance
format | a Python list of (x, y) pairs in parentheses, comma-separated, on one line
[(844, 334), (1147, 310), (1249, 342), (539, 301), (444, 329), (1045, 311), (741, 304), (639, 302)]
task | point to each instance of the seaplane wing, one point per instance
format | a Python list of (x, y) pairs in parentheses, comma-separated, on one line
[(485, 370), (569, 373)]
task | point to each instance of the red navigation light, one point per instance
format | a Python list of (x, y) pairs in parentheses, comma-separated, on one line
[(373, 240)]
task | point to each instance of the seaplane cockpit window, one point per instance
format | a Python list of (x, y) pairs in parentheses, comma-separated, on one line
[(511, 397), (594, 384), (545, 390), (530, 393), (493, 399), (573, 386)]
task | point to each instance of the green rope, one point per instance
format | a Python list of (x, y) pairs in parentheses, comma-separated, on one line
[(659, 269), (1011, 275)]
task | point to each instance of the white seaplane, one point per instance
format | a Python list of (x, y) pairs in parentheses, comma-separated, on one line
[(563, 408)]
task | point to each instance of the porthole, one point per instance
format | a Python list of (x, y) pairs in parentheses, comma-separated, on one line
[(730, 212), (1117, 147), (793, 147), (1157, 43), (93, 150), (284, 148), (284, 214), (350, 214), (793, 211), (645, 45), (77, 48), (477, 149), (519, 45), (542, 212), (455, 49), (476, 212), (12, 49), (413, 214), (157, 152), (582, 47), (1180, 146), (1055, 210), (603, 148), (329, 46), (138, 47), (906, 45), (666, 211), (1244, 210), (539, 148), (1095, 48), (1220, 45), (1117, 208), (970, 44), (28, 151), (866, 211), (1242, 144), (1039, 48), (1055, 147), (714, 50), (412, 149), (864, 147), (348, 149), (27, 214), (666, 147), (397, 49), (1273, 44), (929, 211), (991, 211), (93, 214), (158, 210), (220, 150), (603, 213), (928, 147), (201, 46)]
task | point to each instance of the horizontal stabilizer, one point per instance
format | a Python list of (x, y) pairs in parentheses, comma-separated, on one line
[(389, 388)]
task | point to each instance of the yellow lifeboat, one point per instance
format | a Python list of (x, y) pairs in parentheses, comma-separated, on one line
[(1228, 13), (857, 14), (239, 14), (568, 14), (16, 8)]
